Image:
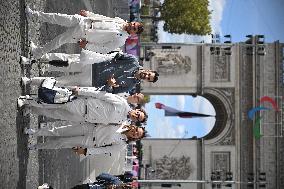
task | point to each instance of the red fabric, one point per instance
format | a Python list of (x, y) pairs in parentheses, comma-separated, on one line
[(159, 105)]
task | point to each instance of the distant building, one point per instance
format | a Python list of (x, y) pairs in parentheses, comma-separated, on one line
[(233, 77)]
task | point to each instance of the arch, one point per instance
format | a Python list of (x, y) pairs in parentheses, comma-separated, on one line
[(224, 115)]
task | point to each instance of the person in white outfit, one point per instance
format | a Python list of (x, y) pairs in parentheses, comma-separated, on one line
[(90, 106), (114, 73), (50, 94), (94, 32), (81, 64), (94, 139)]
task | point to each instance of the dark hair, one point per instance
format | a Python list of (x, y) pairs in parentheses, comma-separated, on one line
[(145, 133), (145, 115), (129, 139), (140, 28), (156, 76)]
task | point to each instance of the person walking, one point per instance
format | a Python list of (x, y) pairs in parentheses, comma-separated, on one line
[(90, 106), (115, 73), (87, 138), (92, 31)]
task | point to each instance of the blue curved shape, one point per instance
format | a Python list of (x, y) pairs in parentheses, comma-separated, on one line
[(254, 110)]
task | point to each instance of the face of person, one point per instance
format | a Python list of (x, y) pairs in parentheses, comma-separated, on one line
[(132, 27), (136, 115), (147, 75), (135, 132), (136, 98)]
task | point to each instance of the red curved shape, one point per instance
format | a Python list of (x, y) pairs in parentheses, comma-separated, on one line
[(159, 105), (271, 101)]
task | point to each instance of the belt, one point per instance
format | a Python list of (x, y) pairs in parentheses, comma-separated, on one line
[(86, 109)]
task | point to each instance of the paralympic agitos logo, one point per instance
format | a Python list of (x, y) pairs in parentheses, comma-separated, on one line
[(251, 113)]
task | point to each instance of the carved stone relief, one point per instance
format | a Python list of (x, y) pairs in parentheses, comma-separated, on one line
[(229, 139), (221, 161), (172, 64), (173, 168), (220, 68)]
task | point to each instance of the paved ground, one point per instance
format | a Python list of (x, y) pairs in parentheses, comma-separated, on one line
[(20, 168)]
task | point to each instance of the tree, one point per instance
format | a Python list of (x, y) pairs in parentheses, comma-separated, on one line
[(186, 16)]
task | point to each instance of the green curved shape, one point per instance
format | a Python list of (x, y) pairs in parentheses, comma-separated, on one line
[(256, 128)]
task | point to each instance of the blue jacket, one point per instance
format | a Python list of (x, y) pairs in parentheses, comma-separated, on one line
[(123, 66), (108, 179)]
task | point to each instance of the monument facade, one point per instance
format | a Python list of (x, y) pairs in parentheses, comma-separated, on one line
[(233, 77)]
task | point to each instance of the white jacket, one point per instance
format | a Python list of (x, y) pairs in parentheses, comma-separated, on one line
[(103, 107), (105, 34), (107, 140)]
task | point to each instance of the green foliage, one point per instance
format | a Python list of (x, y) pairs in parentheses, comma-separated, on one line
[(186, 16), (146, 99), (145, 10)]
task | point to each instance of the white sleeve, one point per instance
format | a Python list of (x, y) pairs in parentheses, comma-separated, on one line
[(90, 57), (106, 46), (90, 91), (106, 150), (95, 16), (102, 95), (103, 47)]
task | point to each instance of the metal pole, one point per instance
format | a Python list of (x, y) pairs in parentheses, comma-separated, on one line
[(171, 181), (195, 181)]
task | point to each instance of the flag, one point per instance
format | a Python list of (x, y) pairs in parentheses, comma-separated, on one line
[(169, 111)]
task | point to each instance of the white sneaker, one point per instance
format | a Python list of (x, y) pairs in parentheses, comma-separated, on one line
[(29, 12), (29, 131), (35, 50), (25, 81), (44, 186), (32, 146), (26, 61), (21, 102), (33, 46)]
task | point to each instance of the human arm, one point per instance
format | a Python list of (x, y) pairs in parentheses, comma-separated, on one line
[(106, 150), (102, 95), (91, 57), (86, 13), (103, 48), (79, 150), (104, 41)]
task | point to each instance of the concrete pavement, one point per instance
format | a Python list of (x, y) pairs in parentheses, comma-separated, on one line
[(20, 168)]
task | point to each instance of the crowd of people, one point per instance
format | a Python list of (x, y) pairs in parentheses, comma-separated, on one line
[(102, 107)]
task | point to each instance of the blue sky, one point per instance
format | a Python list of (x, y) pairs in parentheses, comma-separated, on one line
[(239, 18), (236, 17)]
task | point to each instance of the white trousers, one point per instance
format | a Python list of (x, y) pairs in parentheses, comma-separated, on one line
[(70, 111), (72, 59), (67, 136), (76, 25), (80, 79), (78, 61)]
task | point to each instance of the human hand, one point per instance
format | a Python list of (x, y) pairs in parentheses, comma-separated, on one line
[(82, 43), (112, 82), (83, 13), (79, 150), (75, 90)]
